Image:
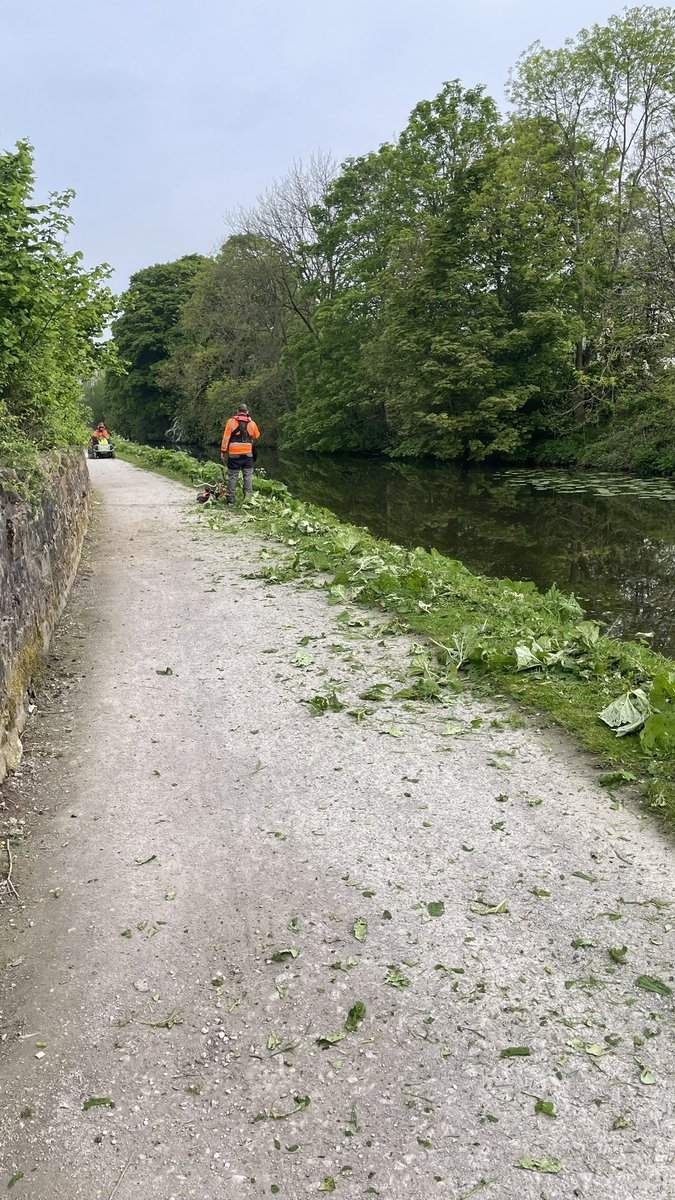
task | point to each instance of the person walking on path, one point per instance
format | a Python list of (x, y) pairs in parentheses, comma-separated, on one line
[(238, 451)]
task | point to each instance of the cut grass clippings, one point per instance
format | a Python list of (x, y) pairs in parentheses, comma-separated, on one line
[(505, 637)]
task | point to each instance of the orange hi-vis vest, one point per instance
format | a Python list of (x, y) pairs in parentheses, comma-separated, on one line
[(238, 442)]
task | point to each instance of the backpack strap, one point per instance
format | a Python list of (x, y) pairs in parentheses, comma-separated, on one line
[(241, 433)]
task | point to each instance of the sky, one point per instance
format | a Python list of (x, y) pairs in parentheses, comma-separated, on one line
[(164, 115)]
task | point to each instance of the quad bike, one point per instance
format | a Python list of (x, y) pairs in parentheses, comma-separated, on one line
[(100, 448)]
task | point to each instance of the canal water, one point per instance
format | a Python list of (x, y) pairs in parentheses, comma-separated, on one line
[(610, 539)]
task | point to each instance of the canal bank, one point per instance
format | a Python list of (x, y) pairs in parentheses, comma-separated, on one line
[(298, 946), (509, 637), (607, 538)]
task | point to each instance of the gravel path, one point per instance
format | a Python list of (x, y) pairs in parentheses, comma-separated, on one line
[(212, 878)]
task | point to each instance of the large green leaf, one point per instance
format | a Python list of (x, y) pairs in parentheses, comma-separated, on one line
[(658, 735), (627, 714)]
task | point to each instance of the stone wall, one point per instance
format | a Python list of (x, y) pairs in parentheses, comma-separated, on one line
[(40, 546)]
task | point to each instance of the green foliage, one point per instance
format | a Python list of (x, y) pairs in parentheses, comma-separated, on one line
[(606, 103), (228, 345), (95, 397), (639, 437), (52, 315), (658, 735), (137, 404), (470, 344)]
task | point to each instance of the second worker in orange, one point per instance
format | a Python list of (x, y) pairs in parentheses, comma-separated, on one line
[(238, 451)]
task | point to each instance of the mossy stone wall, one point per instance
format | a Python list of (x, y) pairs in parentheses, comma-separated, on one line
[(40, 544)]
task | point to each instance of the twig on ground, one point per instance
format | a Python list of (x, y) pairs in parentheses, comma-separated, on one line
[(7, 881), (125, 1168)]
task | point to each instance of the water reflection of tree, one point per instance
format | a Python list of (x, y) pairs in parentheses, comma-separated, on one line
[(616, 553)]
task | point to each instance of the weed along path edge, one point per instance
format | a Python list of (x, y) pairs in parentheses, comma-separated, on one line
[(284, 929)]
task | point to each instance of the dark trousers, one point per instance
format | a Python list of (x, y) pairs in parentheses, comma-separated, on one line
[(242, 463)]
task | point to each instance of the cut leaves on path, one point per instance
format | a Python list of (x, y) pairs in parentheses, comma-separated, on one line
[(355, 1016), (649, 983), (397, 979), (168, 1022), (618, 955), (490, 910), (646, 1076), (275, 1114), (482, 1183), (289, 952), (361, 929), (547, 1166), (303, 659), (546, 1108), (330, 1039), (323, 703)]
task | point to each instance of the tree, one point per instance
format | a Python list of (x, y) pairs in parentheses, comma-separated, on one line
[(52, 315), (282, 226), (232, 341), (433, 340), (229, 345), (607, 104), (138, 405), (95, 397)]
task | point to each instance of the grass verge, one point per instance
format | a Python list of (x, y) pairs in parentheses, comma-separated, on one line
[(505, 636)]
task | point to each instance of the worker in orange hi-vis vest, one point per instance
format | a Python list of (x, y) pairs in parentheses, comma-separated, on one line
[(99, 432), (238, 451)]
